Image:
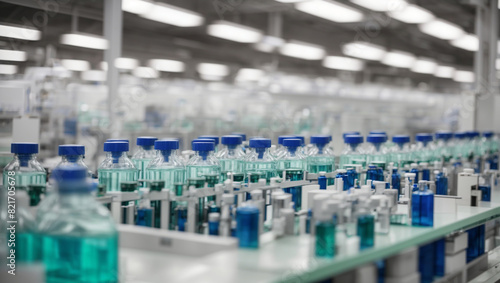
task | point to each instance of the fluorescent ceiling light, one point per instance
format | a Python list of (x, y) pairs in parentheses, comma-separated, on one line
[(331, 11), (173, 15), (467, 42), (412, 14), (84, 40), (165, 65), (343, 63), (13, 55), (20, 33), (498, 64), (136, 6), (211, 69), (269, 43), (364, 50), (248, 74), (381, 5), (303, 50), (94, 76), (145, 73), (398, 59), (211, 78), (122, 63), (446, 72), (463, 76), (441, 29), (8, 69), (424, 66), (75, 65), (234, 32)]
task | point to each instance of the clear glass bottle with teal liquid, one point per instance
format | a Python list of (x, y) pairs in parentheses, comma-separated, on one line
[(353, 152), (400, 154), (203, 164), (459, 147), (82, 246), (325, 234), (376, 152), (231, 157), (24, 169), (258, 159), (444, 146), (145, 213), (73, 154), (302, 144), (280, 148), (365, 224), (293, 163), (167, 165), (320, 158), (424, 150), (116, 167), (144, 154)]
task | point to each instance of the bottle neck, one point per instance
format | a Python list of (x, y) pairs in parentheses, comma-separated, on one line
[(422, 143), (116, 155), (232, 149), (400, 146), (260, 152), (352, 146), (292, 150), (166, 154), (376, 145), (24, 158), (72, 158), (147, 147), (320, 147), (204, 154)]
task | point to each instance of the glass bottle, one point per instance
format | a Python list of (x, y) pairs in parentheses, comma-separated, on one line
[(365, 224), (376, 153), (73, 153), (24, 169), (83, 245), (325, 234), (441, 182), (353, 152), (280, 148), (424, 149), (166, 166), (422, 205), (259, 161), (231, 157), (444, 146), (293, 163), (244, 143), (116, 167), (143, 155), (400, 152), (320, 158), (203, 163)]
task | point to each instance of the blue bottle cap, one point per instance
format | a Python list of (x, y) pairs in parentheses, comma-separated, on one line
[(203, 140), (248, 210), (232, 140), (401, 139), (376, 138), (115, 146), (423, 137), (472, 134), (242, 135), (24, 147), (117, 140), (443, 135), (488, 134), (71, 149), (260, 143), (215, 138), (320, 139), (203, 146), (147, 141), (460, 135), (166, 144), (292, 142), (353, 139), (69, 173), (378, 132), (302, 139), (282, 138), (350, 133)]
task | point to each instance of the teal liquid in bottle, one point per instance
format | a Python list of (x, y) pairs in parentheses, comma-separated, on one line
[(116, 167), (24, 169), (293, 163), (320, 158), (259, 161), (353, 152), (167, 166), (231, 156), (144, 155), (83, 245)]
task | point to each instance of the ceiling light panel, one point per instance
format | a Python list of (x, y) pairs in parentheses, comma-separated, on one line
[(211, 69), (166, 65), (13, 55), (441, 29), (464, 76), (234, 32), (75, 65), (94, 76), (364, 50), (84, 40), (424, 66), (381, 5), (303, 50), (330, 10), (399, 59), (411, 14), (145, 73), (8, 69), (20, 33), (173, 15), (248, 74), (467, 41), (343, 63), (446, 72), (137, 6)]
